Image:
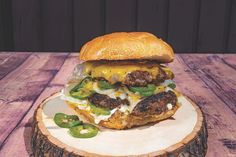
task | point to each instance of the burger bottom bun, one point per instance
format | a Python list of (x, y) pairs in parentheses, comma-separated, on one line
[(119, 120)]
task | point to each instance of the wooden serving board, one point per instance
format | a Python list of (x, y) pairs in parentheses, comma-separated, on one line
[(183, 135)]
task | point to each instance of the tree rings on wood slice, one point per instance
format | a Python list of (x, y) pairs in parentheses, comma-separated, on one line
[(182, 135)]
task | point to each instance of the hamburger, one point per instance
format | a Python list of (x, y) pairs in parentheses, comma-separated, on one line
[(123, 81)]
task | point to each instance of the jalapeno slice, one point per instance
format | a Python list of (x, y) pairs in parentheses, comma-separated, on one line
[(99, 111), (66, 121), (104, 85), (81, 84), (170, 84), (147, 94), (160, 88), (84, 131), (80, 91), (144, 91), (82, 94)]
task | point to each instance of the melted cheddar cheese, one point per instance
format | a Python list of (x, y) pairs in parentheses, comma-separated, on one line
[(117, 73)]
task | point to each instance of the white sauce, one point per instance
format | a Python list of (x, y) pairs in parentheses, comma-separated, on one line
[(112, 94), (133, 102), (169, 106), (123, 96), (81, 104), (124, 108), (84, 131), (109, 92), (168, 89), (99, 118)]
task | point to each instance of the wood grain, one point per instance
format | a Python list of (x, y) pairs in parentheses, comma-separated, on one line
[(11, 61), (20, 89), (34, 79), (21, 135), (220, 119), (211, 68), (4, 55), (229, 59)]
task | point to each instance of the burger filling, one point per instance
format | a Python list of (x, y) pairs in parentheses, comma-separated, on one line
[(138, 88), (129, 73)]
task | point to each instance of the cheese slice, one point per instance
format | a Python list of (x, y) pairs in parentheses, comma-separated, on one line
[(117, 73)]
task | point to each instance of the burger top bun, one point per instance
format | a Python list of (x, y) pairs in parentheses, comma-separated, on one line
[(127, 46)]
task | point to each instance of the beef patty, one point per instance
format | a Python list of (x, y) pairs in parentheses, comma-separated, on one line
[(155, 104), (138, 78), (143, 78), (104, 101), (161, 77)]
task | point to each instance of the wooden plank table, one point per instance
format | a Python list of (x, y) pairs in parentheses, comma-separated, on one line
[(28, 78)]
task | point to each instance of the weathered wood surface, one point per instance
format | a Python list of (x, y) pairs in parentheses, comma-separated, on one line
[(220, 118), (209, 80), (216, 74), (20, 88), (23, 129), (9, 61)]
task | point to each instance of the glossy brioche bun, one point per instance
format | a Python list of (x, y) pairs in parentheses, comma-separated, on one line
[(119, 120), (127, 46)]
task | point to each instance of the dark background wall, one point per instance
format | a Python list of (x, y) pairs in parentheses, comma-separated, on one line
[(65, 25)]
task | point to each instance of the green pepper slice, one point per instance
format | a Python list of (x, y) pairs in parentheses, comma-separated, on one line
[(149, 87), (84, 131), (80, 92), (146, 94), (66, 121), (81, 84), (104, 85), (172, 85), (144, 91), (99, 111)]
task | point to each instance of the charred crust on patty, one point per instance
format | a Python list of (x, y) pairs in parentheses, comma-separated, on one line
[(123, 101), (104, 101), (155, 104), (143, 78), (138, 78), (161, 77)]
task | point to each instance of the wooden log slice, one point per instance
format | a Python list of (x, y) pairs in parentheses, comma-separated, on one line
[(184, 136)]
